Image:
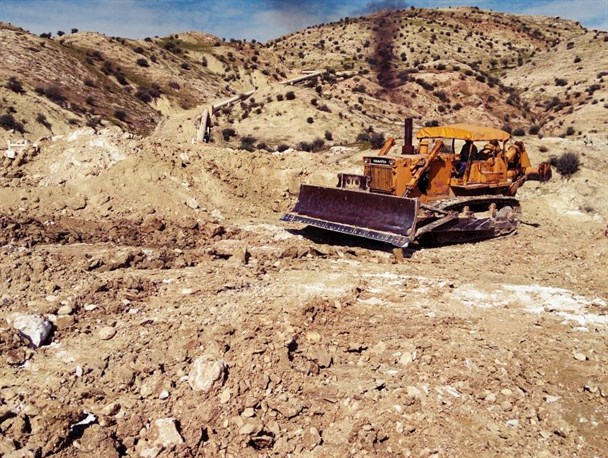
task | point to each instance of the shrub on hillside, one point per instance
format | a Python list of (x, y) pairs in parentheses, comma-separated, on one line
[(567, 164), (317, 144), (142, 62), (228, 133), (41, 119), (377, 140), (363, 137), (143, 95), (534, 129), (54, 94), (329, 136), (283, 147), (570, 131), (93, 122), (305, 146), (8, 122), (248, 143), (290, 95), (121, 115), (519, 132), (15, 85)]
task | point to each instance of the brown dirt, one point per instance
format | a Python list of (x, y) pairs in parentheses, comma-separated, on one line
[(333, 346)]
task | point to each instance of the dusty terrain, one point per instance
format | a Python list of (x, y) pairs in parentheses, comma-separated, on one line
[(331, 346), (187, 320)]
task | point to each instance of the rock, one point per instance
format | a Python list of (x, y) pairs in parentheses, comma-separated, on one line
[(77, 202), (290, 252), (167, 434), (15, 357), (248, 428), (580, 356), (206, 373), (64, 310), (506, 392), (35, 328), (323, 358), (225, 396), (313, 337), (490, 397), (152, 224), (311, 438), (506, 406), (192, 203), (106, 333), (407, 358), (248, 412), (164, 394)]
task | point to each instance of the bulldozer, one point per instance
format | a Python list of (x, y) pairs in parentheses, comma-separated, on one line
[(428, 194)]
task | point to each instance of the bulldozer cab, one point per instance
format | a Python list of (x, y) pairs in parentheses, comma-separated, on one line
[(484, 165)]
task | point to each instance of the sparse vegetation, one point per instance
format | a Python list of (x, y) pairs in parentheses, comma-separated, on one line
[(93, 122), (377, 140), (8, 122), (567, 164), (248, 143), (142, 62), (519, 132), (143, 95), (290, 95), (41, 119), (15, 85), (121, 115), (228, 133), (54, 93)]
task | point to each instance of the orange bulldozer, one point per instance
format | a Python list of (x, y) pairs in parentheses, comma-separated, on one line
[(445, 190)]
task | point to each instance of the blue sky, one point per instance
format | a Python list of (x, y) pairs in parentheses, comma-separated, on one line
[(251, 19)]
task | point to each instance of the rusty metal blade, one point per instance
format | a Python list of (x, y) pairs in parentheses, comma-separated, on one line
[(380, 217)]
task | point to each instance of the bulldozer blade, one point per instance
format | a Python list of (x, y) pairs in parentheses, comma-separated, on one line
[(373, 216)]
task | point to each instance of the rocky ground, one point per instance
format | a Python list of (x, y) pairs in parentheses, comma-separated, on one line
[(188, 321)]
